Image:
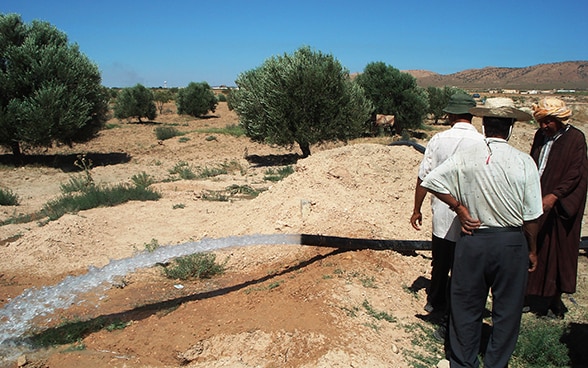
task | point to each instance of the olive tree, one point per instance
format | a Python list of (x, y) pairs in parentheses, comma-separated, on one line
[(306, 97), (135, 102), (394, 93), (49, 91), (438, 99), (161, 97), (196, 99)]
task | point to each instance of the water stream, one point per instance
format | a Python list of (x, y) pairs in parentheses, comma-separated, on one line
[(17, 318)]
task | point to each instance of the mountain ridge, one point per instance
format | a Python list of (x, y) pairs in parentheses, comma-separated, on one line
[(559, 75)]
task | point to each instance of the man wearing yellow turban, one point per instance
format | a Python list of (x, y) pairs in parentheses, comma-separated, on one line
[(559, 150)]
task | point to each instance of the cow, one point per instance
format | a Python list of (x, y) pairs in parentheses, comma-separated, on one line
[(384, 124)]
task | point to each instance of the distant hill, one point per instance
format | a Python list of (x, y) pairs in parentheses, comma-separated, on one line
[(562, 75)]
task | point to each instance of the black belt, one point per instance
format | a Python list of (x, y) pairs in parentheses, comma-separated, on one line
[(490, 230)]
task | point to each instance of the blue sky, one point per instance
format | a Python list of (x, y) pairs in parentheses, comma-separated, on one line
[(180, 41)]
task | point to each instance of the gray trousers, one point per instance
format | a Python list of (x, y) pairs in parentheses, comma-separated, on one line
[(496, 261)]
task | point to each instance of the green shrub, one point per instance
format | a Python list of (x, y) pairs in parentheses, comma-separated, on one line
[(209, 172), (97, 197), (539, 344), (214, 196), (183, 170), (231, 129), (199, 265), (278, 174), (243, 190), (8, 197), (142, 180), (166, 132), (75, 184)]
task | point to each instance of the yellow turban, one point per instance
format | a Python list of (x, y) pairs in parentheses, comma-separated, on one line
[(551, 106)]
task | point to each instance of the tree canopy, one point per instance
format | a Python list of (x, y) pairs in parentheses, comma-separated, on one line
[(306, 97), (135, 102), (438, 99), (394, 93), (50, 92), (196, 99)]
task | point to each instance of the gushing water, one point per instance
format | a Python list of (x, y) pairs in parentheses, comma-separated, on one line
[(16, 318)]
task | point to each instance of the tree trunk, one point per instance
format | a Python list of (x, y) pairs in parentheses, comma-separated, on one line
[(305, 148), (17, 154)]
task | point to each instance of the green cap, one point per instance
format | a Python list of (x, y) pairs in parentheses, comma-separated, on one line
[(460, 103)]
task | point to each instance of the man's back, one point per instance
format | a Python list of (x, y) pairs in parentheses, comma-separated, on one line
[(445, 144), (494, 181), (442, 146)]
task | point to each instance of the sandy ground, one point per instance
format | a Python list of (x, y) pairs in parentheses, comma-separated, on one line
[(276, 305)]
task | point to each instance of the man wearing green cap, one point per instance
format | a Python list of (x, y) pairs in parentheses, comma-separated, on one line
[(446, 228)]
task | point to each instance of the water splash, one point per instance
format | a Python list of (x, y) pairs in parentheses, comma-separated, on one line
[(17, 317)]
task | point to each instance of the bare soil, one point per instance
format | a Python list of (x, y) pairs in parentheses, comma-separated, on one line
[(275, 306)]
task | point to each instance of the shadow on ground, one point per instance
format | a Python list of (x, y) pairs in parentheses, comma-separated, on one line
[(66, 163)]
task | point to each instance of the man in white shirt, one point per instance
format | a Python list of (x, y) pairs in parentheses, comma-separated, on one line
[(446, 227), (495, 191)]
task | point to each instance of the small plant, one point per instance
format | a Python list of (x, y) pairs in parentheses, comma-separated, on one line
[(8, 197), (210, 138), (183, 170), (183, 139), (214, 196), (278, 174), (79, 183), (166, 132), (207, 172), (142, 180), (75, 184), (351, 312), (152, 245), (178, 206), (116, 325), (199, 265), (86, 165), (77, 346), (274, 285), (426, 350), (243, 190), (377, 315), (368, 282)]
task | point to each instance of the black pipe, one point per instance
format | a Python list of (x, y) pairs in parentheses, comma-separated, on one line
[(377, 244)]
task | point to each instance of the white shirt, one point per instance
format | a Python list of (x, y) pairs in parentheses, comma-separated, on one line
[(439, 148), (497, 183)]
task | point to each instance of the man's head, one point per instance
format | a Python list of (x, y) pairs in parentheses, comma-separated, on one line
[(551, 114), (458, 107), (498, 121)]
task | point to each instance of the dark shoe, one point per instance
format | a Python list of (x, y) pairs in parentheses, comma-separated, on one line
[(440, 333), (558, 308), (432, 308), (429, 308), (526, 309)]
